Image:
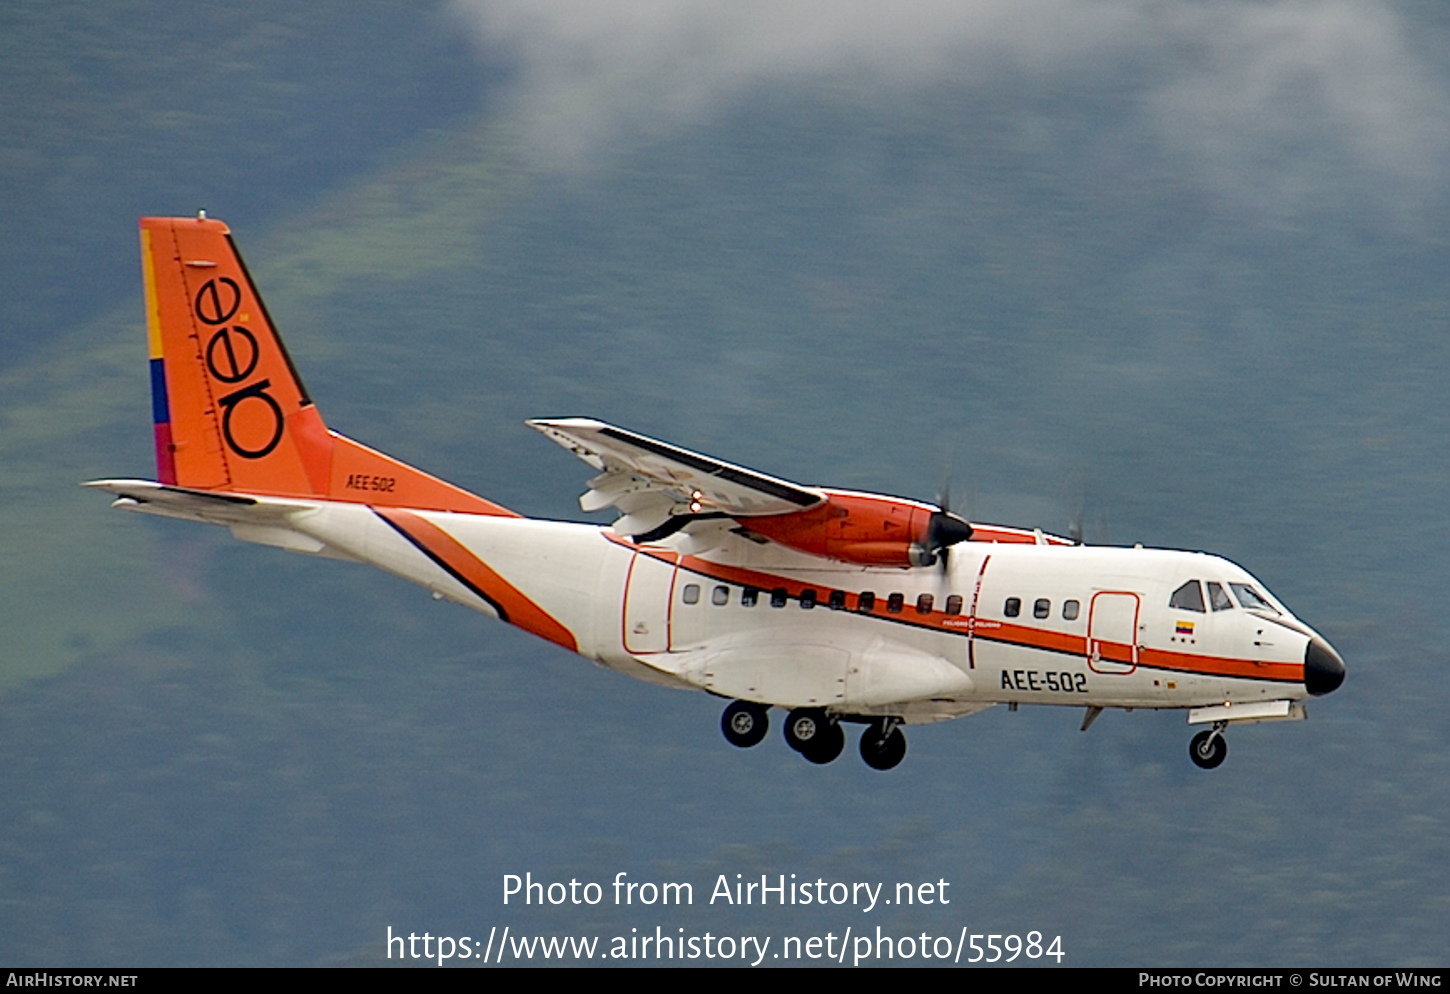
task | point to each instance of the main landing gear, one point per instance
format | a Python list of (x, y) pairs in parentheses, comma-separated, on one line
[(1209, 748), (816, 735), (744, 724)]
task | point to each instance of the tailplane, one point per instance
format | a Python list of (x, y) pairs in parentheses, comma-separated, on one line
[(230, 412)]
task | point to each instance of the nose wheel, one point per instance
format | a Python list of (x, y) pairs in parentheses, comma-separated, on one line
[(882, 744), (1209, 748)]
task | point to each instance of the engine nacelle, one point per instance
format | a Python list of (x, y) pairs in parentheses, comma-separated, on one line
[(864, 529)]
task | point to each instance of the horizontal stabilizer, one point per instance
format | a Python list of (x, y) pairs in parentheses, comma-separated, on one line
[(257, 519), (211, 507)]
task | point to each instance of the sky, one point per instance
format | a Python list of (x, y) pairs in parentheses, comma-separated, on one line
[(1228, 86)]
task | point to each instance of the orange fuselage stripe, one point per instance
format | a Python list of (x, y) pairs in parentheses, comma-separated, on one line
[(511, 603), (990, 630)]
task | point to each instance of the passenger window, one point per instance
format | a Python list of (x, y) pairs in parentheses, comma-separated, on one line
[(692, 593), (1013, 607), (954, 604), (1188, 597), (1069, 610), (866, 602), (808, 599), (1041, 607), (923, 604), (748, 596), (838, 600), (720, 596), (895, 602), (778, 597), (1218, 597)]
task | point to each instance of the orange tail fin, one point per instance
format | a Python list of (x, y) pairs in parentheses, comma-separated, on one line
[(230, 411)]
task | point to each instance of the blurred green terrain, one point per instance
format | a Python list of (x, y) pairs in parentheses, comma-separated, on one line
[(217, 753)]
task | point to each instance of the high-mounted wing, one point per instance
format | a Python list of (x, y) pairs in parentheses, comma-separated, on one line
[(661, 489), (654, 484)]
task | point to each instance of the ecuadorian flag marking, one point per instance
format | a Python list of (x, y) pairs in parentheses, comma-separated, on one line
[(160, 408)]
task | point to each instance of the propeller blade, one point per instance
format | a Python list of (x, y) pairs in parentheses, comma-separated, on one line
[(943, 531)]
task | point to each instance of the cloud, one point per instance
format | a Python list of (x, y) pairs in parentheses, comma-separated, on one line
[(596, 66), (1312, 85), (1231, 82)]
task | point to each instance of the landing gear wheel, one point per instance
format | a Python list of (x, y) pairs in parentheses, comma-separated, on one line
[(1208, 749), (882, 745), (803, 726), (826, 746), (744, 724)]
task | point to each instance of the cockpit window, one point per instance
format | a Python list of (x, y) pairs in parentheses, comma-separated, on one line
[(1218, 597), (1250, 599), (1188, 597)]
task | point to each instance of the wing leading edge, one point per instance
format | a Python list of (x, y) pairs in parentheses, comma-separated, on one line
[(661, 489), (653, 483)]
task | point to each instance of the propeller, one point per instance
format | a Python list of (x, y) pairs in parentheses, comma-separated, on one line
[(1078, 524), (943, 530)]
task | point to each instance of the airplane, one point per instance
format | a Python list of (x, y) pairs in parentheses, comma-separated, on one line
[(834, 606)]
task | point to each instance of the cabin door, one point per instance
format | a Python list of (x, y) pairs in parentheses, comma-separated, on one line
[(647, 604), (1113, 632)]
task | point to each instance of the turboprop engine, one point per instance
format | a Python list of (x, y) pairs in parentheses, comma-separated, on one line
[(866, 530)]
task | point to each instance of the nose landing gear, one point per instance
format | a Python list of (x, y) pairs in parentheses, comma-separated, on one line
[(882, 744), (1209, 748)]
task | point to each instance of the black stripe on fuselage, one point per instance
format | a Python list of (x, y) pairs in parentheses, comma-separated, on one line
[(439, 562)]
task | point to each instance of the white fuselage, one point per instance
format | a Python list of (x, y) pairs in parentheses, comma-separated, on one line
[(1007, 623)]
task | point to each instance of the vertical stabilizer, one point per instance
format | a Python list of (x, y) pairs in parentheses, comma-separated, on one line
[(229, 409)]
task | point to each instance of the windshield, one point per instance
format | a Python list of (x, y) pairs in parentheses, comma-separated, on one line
[(1250, 599)]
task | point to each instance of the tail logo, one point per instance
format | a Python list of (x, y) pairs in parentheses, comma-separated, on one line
[(235, 371), (229, 406), (209, 305), (232, 355)]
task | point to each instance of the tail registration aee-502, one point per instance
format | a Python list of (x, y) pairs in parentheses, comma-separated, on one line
[(834, 606)]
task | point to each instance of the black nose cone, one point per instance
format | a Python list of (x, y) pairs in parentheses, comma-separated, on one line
[(946, 529), (1323, 669)]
